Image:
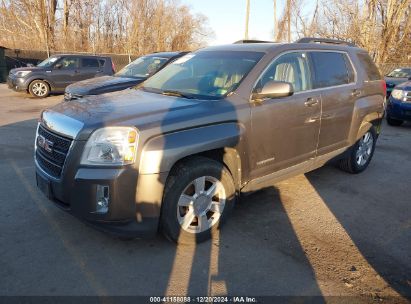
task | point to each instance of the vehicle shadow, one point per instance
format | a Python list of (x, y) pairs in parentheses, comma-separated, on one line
[(376, 219)]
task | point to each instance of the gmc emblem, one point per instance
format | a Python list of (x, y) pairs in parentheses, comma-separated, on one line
[(45, 143)]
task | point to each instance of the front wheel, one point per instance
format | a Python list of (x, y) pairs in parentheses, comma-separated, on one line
[(361, 153), (198, 196), (39, 89)]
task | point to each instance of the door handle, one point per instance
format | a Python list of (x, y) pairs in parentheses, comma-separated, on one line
[(76, 71), (356, 93), (310, 102)]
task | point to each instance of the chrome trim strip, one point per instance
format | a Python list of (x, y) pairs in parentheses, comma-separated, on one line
[(61, 124)]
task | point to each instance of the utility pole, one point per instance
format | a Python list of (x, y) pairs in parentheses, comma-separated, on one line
[(275, 20), (247, 17), (289, 20)]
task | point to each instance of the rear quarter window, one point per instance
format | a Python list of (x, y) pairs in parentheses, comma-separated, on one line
[(369, 66), (331, 69), (102, 62)]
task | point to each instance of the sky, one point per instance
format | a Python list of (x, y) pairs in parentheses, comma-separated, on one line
[(227, 18)]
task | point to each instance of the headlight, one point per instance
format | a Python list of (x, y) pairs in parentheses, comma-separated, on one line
[(399, 94), (22, 73), (111, 146)]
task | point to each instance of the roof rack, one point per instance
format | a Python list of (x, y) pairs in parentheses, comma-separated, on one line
[(251, 41), (324, 40)]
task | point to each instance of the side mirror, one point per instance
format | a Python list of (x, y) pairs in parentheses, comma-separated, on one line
[(58, 66), (274, 89)]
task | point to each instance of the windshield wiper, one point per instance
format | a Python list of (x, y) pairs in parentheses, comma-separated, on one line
[(176, 93)]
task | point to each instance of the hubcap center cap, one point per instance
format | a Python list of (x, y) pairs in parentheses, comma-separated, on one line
[(201, 204)]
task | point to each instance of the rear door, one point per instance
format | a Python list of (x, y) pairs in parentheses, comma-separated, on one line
[(334, 78), (285, 130), (89, 67)]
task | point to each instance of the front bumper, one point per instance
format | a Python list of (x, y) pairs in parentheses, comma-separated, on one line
[(398, 109), (17, 84), (134, 201)]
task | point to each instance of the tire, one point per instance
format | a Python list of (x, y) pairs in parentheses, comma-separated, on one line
[(39, 89), (361, 153), (394, 122), (189, 214)]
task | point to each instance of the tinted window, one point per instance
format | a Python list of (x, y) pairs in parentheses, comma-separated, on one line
[(369, 66), (292, 68), (102, 62), (330, 69), (89, 63), (68, 63), (400, 73)]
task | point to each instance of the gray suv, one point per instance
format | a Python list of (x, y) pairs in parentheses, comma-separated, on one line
[(176, 153), (55, 73)]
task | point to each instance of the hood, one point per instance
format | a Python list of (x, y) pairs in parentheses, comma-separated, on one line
[(35, 68), (406, 86), (103, 84), (129, 107), (393, 81)]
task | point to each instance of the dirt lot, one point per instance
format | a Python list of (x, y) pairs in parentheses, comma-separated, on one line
[(325, 233)]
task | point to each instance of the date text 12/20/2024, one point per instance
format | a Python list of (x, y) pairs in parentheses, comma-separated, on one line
[(223, 299)]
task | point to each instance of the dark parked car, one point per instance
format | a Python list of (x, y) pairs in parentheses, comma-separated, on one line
[(396, 77), (399, 104), (131, 75), (176, 153), (55, 73)]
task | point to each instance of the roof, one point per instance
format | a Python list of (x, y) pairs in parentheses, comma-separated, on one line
[(165, 54), (80, 55), (250, 47), (269, 47), (2, 47)]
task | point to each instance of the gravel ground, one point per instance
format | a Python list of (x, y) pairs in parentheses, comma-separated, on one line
[(325, 233)]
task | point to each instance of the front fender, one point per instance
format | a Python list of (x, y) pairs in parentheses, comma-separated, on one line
[(39, 76), (162, 152)]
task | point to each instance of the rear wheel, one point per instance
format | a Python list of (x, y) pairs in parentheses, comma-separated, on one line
[(361, 153), (39, 89), (394, 122), (198, 196)]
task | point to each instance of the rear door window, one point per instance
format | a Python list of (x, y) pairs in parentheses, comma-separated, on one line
[(89, 63), (369, 66), (331, 69)]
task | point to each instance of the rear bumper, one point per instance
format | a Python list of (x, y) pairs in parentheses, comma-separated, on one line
[(398, 110), (134, 203)]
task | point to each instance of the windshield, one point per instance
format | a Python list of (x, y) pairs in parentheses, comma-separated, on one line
[(204, 75), (400, 73), (142, 67), (48, 62)]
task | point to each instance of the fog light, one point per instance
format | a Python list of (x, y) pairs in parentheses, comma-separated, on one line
[(102, 199)]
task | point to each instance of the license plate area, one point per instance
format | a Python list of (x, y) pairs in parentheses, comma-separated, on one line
[(44, 186)]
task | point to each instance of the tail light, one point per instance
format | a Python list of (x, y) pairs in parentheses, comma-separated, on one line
[(384, 86), (113, 67)]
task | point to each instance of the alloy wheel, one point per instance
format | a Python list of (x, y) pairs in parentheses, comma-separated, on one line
[(201, 204)]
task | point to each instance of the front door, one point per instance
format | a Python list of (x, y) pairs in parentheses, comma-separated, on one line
[(65, 72), (285, 130)]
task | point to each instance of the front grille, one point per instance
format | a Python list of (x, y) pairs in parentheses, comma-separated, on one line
[(52, 160)]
